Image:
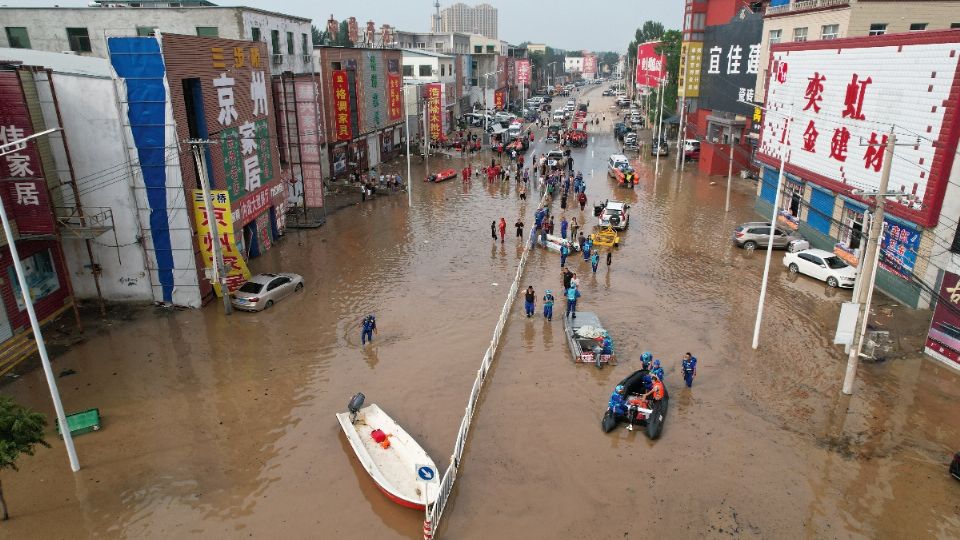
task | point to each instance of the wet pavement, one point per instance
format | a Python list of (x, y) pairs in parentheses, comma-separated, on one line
[(224, 427)]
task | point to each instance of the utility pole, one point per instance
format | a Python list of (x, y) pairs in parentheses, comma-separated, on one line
[(15, 146), (219, 272), (773, 226), (660, 90), (426, 134), (726, 207), (869, 267), (406, 123)]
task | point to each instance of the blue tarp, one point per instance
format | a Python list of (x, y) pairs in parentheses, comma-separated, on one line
[(139, 62)]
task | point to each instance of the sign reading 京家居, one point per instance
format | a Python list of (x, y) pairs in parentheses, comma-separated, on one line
[(244, 132), (651, 67), (434, 119), (341, 105), (943, 339), (846, 99), (730, 63), (233, 263)]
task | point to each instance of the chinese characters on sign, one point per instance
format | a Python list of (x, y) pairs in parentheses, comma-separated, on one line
[(730, 63), (943, 339), (651, 67), (523, 71), (341, 105), (29, 206), (844, 107), (899, 244), (394, 97), (373, 92), (433, 108), (498, 100), (691, 59), (305, 93), (233, 262)]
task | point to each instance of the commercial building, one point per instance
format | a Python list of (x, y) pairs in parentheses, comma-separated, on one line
[(85, 30), (573, 64), (842, 99), (362, 90), (798, 21), (440, 42), (480, 19)]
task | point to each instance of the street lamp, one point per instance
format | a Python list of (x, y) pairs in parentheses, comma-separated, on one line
[(550, 65), (486, 118)]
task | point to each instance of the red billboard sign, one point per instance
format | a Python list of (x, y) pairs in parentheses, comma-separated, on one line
[(943, 339), (24, 190), (499, 99), (394, 97), (434, 119), (341, 105), (651, 67), (310, 136), (590, 64), (523, 71)]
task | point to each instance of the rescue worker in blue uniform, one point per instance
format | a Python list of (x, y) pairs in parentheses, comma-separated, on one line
[(657, 370), (369, 327), (548, 305), (618, 401), (689, 367), (607, 344), (645, 360)]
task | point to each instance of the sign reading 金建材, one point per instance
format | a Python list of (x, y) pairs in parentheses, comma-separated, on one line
[(341, 105), (847, 95), (433, 108), (233, 263)]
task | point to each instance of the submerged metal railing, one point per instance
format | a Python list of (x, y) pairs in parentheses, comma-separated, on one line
[(434, 512)]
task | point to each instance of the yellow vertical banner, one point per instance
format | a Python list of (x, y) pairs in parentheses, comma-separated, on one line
[(233, 263)]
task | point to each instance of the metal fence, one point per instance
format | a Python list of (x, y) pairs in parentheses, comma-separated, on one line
[(435, 511)]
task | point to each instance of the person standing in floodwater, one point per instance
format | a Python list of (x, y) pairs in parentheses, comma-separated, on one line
[(493, 229), (595, 261), (529, 301), (689, 367), (519, 226), (368, 328), (548, 305), (503, 229)]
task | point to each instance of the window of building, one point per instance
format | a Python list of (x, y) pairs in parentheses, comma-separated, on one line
[(477, 49), (775, 36), (255, 33), (443, 70), (407, 70), (17, 37), (41, 274), (421, 45), (490, 48), (438, 46), (955, 25), (303, 44), (79, 39), (830, 31), (426, 71), (852, 231), (289, 42), (336, 66), (800, 34), (208, 31), (146, 31), (274, 42), (878, 29), (918, 27)]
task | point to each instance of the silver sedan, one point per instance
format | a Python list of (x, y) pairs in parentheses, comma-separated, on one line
[(263, 290)]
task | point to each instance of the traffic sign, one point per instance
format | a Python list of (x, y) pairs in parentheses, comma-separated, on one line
[(426, 473)]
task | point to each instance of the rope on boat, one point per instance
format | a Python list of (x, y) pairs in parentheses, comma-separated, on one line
[(434, 512)]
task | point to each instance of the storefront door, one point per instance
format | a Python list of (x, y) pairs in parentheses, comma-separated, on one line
[(5, 331)]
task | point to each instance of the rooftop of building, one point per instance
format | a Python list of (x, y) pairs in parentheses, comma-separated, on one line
[(203, 5), (424, 52), (58, 62)]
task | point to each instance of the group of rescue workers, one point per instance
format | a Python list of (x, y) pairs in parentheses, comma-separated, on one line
[(653, 386)]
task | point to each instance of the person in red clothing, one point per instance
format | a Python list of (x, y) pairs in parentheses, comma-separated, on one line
[(503, 228), (465, 174), (531, 135)]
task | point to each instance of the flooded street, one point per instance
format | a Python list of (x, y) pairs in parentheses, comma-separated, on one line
[(222, 427)]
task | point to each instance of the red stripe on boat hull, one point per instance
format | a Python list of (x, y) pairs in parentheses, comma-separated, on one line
[(400, 501)]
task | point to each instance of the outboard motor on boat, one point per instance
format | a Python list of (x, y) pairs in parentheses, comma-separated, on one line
[(355, 403)]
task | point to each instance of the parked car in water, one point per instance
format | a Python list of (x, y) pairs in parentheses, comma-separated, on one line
[(658, 147), (757, 234), (263, 290), (556, 158), (691, 149), (615, 215), (822, 265)]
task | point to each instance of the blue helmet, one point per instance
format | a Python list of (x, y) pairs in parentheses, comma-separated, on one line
[(656, 363), (619, 389), (646, 357)]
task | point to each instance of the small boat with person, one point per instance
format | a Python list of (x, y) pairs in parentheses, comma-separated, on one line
[(586, 337)]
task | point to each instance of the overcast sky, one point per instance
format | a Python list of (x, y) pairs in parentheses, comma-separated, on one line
[(596, 25)]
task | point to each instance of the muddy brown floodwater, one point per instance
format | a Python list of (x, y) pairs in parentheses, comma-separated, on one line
[(223, 427)]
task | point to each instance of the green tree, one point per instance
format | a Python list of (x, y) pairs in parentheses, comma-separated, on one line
[(320, 37), (343, 36), (575, 54), (650, 31), (20, 431), (670, 44)]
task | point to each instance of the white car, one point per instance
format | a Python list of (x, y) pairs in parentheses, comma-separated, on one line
[(822, 265), (555, 158), (615, 215), (559, 115)]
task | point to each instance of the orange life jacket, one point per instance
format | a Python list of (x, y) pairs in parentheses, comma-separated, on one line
[(657, 390)]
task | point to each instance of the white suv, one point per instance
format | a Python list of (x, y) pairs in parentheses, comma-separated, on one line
[(615, 215)]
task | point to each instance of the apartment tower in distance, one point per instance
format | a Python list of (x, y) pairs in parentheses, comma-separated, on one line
[(479, 19)]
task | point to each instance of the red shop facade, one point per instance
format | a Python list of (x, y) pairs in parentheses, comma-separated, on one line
[(220, 91), (27, 201)]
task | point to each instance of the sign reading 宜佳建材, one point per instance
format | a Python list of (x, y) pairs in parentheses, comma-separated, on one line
[(730, 63), (233, 262), (846, 96)]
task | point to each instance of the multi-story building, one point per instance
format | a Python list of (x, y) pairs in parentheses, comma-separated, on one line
[(84, 31), (797, 21), (440, 42), (488, 66), (480, 19), (573, 64), (537, 48)]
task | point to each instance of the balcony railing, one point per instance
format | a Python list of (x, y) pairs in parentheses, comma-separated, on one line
[(806, 5)]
